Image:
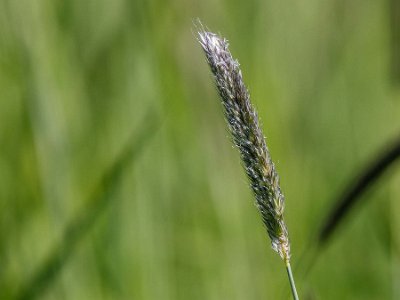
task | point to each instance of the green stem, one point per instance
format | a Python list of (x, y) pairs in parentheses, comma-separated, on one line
[(291, 280)]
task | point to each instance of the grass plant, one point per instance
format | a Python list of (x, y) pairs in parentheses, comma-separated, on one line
[(246, 133), (76, 78)]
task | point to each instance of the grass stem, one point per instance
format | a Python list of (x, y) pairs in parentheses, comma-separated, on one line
[(291, 280)]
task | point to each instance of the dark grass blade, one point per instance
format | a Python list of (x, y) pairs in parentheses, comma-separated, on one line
[(100, 199), (343, 206), (352, 194)]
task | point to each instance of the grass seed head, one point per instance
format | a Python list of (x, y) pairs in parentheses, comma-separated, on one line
[(247, 136)]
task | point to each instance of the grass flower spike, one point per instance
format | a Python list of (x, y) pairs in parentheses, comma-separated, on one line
[(247, 136)]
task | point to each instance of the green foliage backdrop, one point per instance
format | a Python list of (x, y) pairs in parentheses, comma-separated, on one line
[(78, 78)]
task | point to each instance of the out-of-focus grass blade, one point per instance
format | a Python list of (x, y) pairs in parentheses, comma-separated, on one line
[(343, 205), (81, 224), (352, 194)]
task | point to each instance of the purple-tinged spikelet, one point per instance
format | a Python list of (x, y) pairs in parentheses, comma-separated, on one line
[(243, 124)]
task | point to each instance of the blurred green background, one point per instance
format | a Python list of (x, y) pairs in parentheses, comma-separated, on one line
[(79, 78)]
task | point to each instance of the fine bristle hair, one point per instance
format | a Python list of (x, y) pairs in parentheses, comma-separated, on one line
[(244, 126)]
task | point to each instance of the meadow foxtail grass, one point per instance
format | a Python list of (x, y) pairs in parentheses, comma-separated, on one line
[(244, 127)]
